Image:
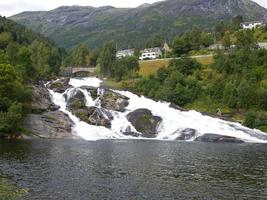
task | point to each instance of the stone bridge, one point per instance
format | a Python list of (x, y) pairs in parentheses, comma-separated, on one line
[(70, 71)]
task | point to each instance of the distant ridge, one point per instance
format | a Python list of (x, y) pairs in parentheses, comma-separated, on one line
[(70, 25)]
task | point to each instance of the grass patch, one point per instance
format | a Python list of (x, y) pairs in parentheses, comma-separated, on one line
[(111, 83), (151, 67), (9, 191), (205, 60)]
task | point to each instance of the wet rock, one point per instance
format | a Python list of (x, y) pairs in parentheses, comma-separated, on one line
[(77, 101), (95, 116), (91, 90), (186, 134), (60, 85), (144, 122), (129, 132), (98, 117), (133, 134), (113, 101), (172, 105), (210, 137), (41, 100), (54, 107), (52, 124)]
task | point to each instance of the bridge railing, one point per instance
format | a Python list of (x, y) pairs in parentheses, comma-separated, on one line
[(70, 71)]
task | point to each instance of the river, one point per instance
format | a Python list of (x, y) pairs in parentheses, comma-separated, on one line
[(135, 169), (173, 122)]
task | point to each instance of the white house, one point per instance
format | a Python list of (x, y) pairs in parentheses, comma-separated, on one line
[(150, 54), (263, 45), (124, 53), (251, 25)]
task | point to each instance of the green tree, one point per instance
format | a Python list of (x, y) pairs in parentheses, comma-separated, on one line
[(245, 40), (79, 55), (185, 65), (251, 120), (107, 58), (11, 121), (156, 41), (5, 39), (236, 22), (125, 67), (24, 64), (12, 52), (226, 40)]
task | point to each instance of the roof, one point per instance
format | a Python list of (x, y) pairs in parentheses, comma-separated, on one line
[(155, 49)]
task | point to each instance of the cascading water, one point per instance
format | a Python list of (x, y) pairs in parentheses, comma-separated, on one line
[(172, 119)]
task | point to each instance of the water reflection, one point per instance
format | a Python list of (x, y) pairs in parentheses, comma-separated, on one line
[(76, 169)]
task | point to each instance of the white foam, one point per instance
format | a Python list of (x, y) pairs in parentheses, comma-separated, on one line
[(172, 119)]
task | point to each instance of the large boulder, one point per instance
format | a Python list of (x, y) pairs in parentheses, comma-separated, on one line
[(52, 124), (95, 116), (185, 134), (113, 101), (144, 122), (41, 100), (76, 101), (99, 117), (60, 85), (210, 137), (92, 90)]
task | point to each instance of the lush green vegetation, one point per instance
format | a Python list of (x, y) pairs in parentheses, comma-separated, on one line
[(236, 82), (25, 57), (80, 56), (9, 191), (194, 39), (123, 68)]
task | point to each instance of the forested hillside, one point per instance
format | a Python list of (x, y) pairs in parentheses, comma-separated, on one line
[(236, 83), (25, 57), (132, 27)]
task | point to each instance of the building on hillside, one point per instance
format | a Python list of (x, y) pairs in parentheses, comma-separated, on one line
[(124, 53), (166, 47), (215, 46), (251, 25), (262, 45), (151, 53)]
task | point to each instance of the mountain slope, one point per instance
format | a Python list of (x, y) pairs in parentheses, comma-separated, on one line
[(68, 26)]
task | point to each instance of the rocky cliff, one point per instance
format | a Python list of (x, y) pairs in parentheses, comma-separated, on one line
[(46, 121)]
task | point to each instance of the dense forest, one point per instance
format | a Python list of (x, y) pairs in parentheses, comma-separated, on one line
[(25, 57)]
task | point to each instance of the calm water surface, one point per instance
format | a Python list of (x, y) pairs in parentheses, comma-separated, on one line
[(75, 169)]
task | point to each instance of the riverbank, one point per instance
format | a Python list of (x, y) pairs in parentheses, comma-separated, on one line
[(9, 191)]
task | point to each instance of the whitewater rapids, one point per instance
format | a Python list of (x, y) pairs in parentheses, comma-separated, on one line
[(172, 119)]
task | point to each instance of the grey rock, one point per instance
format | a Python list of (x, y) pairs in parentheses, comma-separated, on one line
[(60, 85), (91, 90), (186, 134), (49, 125), (99, 117), (41, 100), (129, 132), (113, 101), (77, 101), (210, 137), (144, 122)]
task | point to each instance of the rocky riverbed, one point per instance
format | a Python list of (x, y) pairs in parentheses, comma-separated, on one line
[(67, 108)]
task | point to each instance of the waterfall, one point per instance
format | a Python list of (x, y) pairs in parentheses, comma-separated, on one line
[(173, 120)]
